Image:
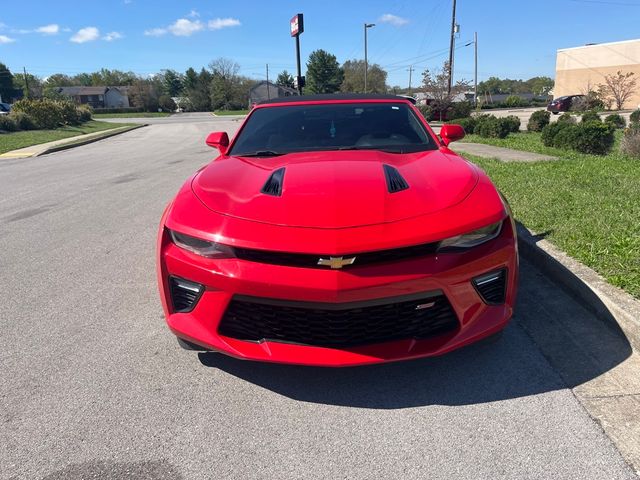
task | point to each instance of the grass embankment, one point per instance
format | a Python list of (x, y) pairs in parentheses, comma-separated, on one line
[(15, 140), (131, 115), (587, 205), (222, 113)]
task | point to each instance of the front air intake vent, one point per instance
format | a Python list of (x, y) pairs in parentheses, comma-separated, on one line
[(492, 287), (184, 294), (395, 182), (273, 185)]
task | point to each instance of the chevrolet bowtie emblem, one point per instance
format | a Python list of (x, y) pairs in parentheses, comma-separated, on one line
[(336, 262)]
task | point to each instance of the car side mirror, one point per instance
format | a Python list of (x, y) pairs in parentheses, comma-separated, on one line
[(451, 133), (219, 140)]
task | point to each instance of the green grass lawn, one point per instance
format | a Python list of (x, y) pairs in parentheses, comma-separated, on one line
[(230, 112), (587, 205), (131, 115), (15, 140)]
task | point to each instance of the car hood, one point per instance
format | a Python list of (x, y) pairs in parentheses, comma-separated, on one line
[(334, 189)]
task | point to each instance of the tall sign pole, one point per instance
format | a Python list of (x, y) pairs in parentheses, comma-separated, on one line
[(451, 47), (297, 27), (475, 82), (366, 61)]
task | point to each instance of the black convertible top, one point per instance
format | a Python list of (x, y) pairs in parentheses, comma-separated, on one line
[(338, 96)]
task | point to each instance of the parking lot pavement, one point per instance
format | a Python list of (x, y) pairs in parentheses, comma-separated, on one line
[(93, 385)]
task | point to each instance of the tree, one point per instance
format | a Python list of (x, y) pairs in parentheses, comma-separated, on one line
[(618, 88), (190, 80), (324, 74), (354, 77), (285, 79), (144, 94), (171, 83), (540, 85), (225, 83), (435, 85), (197, 89), (7, 91), (35, 85)]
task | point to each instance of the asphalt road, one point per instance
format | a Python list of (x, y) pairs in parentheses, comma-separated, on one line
[(93, 385)]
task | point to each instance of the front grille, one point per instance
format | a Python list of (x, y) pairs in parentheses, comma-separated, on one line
[(338, 325), (305, 260), (492, 287)]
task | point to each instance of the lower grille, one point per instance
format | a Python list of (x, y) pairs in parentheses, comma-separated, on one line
[(335, 325)]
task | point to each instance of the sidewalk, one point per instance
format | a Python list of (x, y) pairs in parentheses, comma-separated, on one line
[(499, 153), (49, 147)]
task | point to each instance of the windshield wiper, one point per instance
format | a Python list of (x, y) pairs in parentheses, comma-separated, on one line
[(385, 150), (260, 153)]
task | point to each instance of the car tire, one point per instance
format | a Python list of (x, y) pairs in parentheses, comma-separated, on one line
[(556, 113), (190, 346)]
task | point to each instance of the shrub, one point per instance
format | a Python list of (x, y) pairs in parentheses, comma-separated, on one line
[(469, 124), (539, 119), (22, 120), (493, 128), (635, 116), (566, 137), (513, 123), (7, 124), (631, 141), (167, 103), (46, 113), (591, 116), (594, 137), (426, 111), (84, 113), (460, 110), (616, 120), (69, 112), (513, 101), (551, 131), (567, 118)]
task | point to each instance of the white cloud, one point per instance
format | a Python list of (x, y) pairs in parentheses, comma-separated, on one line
[(87, 34), (394, 20), (111, 36), (51, 29), (185, 28), (155, 32), (218, 23), (193, 14), (5, 39)]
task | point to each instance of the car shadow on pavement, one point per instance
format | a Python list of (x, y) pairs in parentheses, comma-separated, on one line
[(552, 343)]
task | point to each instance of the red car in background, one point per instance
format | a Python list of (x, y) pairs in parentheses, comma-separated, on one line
[(334, 231)]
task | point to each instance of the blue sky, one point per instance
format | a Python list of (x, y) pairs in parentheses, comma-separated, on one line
[(516, 39)]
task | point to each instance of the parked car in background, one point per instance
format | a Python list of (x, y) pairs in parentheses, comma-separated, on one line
[(565, 104), (5, 108)]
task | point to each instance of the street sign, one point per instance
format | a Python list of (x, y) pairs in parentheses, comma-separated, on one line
[(297, 25)]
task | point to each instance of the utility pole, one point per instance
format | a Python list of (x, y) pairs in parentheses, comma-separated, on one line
[(475, 81), (451, 47), (410, 72), (366, 63), (268, 86), (26, 82)]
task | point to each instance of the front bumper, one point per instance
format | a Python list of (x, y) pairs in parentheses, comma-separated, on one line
[(451, 274)]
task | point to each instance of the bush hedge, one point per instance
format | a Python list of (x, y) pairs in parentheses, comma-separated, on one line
[(7, 124), (616, 120), (22, 120), (425, 110), (460, 110), (513, 123), (567, 118), (631, 140), (550, 132), (587, 137), (513, 101), (566, 138), (591, 116), (635, 116), (47, 114), (538, 120), (493, 128), (469, 124)]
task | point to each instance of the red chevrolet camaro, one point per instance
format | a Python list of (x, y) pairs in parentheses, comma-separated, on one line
[(334, 231)]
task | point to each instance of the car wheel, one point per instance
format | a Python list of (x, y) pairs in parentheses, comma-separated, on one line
[(190, 346), (556, 113)]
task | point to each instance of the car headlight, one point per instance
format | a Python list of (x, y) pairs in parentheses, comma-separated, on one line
[(204, 248), (471, 239)]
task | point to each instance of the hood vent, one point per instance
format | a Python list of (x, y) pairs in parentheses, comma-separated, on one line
[(273, 185), (395, 182)]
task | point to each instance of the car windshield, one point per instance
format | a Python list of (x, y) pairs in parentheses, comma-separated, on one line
[(391, 127)]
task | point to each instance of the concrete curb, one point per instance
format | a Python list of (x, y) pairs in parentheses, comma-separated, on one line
[(607, 302), (108, 134)]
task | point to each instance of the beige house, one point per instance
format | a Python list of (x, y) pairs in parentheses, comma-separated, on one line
[(580, 69)]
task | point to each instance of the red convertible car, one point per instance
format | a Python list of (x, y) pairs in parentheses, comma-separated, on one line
[(334, 231)]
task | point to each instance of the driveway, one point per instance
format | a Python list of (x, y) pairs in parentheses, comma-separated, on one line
[(93, 385)]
